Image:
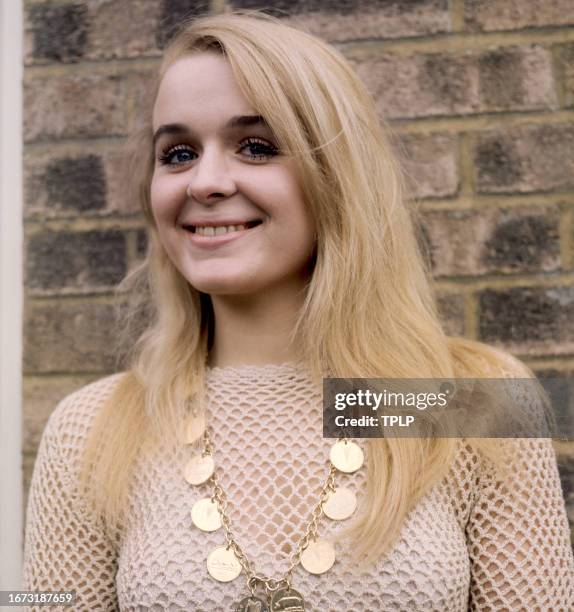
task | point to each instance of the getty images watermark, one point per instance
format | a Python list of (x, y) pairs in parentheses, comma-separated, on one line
[(461, 407)]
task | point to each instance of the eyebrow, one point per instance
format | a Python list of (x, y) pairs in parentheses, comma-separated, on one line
[(238, 121)]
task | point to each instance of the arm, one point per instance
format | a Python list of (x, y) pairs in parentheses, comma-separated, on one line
[(64, 549), (518, 535)]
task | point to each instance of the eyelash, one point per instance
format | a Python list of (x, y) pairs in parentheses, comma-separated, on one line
[(169, 151)]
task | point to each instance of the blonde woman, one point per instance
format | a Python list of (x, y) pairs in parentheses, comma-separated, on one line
[(281, 250)]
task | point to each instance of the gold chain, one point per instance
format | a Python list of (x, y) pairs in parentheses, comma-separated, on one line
[(220, 499)]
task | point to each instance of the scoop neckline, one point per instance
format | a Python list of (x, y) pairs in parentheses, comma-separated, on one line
[(263, 368)]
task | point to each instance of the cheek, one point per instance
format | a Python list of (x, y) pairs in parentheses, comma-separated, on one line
[(165, 199)]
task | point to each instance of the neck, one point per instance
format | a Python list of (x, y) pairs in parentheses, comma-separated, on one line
[(255, 329)]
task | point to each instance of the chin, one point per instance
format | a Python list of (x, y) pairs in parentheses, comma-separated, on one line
[(223, 286)]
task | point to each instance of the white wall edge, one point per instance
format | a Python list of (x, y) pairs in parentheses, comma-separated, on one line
[(11, 293)]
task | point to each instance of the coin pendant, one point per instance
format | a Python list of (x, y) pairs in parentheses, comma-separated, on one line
[(287, 600), (199, 469), (340, 504), (318, 557), (205, 515), (195, 428), (222, 564), (251, 604), (346, 456)]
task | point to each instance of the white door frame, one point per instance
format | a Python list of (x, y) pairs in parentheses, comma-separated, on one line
[(11, 293)]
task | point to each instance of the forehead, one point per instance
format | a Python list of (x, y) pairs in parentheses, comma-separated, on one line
[(196, 88)]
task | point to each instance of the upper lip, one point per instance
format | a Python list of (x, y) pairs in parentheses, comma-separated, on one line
[(217, 222)]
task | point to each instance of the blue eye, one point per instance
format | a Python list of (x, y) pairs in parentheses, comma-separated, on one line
[(265, 149), (182, 154)]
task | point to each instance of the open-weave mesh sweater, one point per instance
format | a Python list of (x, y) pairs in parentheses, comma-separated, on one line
[(465, 546)]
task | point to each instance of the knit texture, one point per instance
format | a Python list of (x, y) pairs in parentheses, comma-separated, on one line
[(465, 546)]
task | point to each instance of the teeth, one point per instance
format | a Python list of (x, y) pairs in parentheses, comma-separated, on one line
[(217, 231)]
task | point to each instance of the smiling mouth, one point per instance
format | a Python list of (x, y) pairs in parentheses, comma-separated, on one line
[(221, 230)]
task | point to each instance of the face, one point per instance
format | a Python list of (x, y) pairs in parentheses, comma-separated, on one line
[(227, 203)]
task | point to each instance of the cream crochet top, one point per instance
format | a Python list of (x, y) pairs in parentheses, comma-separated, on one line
[(464, 546)]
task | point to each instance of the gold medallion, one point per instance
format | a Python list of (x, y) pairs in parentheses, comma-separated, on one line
[(346, 456), (340, 504), (284, 600), (318, 557), (250, 604), (205, 515), (222, 564), (195, 428), (199, 469)]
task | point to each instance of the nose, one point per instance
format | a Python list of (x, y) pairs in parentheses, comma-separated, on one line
[(210, 178)]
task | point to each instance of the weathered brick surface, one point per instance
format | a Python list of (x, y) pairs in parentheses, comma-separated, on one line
[(560, 387), (529, 320), (66, 183), (172, 13), (56, 32), (68, 337), (525, 158), (74, 105), (337, 20), (430, 164), (451, 309), (422, 85), (27, 470), (40, 397), (515, 14), (566, 69), (122, 29), (65, 98), (474, 242), (141, 243), (141, 91), (58, 260), (78, 180)]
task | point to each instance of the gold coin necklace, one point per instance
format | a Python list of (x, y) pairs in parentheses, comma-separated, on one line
[(226, 562)]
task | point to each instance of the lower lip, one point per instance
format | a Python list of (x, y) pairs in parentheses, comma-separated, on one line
[(212, 242)]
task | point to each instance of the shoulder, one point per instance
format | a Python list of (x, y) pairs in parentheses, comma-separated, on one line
[(71, 419), (472, 359), (508, 366)]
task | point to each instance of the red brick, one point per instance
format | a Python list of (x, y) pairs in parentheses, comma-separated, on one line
[(529, 320), (430, 163), (337, 20), (68, 337), (28, 462), (566, 68), (123, 29), (525, 158), (74, 105), (76, 180), (451, 309), (472, 243), (423, 85), (516, 14), (55, 32), (75, 260)]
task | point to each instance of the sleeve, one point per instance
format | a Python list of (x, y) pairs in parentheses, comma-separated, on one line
[(518, 536), (63, 549)]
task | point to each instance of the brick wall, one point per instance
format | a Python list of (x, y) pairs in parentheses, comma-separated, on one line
[(481, 96)]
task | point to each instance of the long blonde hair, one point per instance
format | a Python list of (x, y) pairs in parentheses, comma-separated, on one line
[(369, 311)]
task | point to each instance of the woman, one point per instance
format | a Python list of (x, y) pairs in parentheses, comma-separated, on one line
[(281, 251)]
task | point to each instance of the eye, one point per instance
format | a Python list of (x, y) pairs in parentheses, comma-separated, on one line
[(177, 155), (263, 149)]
